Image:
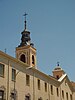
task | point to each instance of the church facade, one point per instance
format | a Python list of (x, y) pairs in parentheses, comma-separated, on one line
[(21, 80)]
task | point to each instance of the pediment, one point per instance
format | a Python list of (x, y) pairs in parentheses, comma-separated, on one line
[(64, 81)]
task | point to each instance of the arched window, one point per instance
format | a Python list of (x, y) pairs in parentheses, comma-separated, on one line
[(23, 58), (57, 91), (33, 60), (57, 76)]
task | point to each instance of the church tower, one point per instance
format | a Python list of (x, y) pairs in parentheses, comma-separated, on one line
[(58, 71), (26, 51)]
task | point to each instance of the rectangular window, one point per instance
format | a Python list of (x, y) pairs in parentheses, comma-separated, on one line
[(51, 89), (40, 98), (62, 94), (1, 95), (38, 82), (13, 75), (27, 97), (27, 80), (57, 91), (1, 70), (70, 96), (13, 96), (66, 96), (45, 87)]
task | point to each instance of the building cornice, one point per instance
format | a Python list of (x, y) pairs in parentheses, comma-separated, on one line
[(10, 58)]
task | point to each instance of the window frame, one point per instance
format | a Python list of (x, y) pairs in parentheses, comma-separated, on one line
[(33, 60), (13, 74), (38, 84), (51, 89), (71, 98), (57, 90), (66, 95), (45, 86), (62, 94), (2, 74), (27, 80), (23, 58), (2, 94)]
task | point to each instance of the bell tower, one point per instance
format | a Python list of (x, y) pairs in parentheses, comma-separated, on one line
[(58, 71), (26, 52)]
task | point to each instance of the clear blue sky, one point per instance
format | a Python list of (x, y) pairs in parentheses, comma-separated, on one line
[(52, 27)]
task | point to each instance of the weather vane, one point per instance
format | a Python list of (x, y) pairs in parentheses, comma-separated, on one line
[(25, 19)]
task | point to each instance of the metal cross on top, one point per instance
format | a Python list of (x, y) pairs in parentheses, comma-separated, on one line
[(25, 19), (57, 63)]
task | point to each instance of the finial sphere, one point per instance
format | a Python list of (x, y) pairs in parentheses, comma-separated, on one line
[(57, 63)]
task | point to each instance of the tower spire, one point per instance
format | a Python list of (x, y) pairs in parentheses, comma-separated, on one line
[(26, 52), (25, 19), (25, 39)]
